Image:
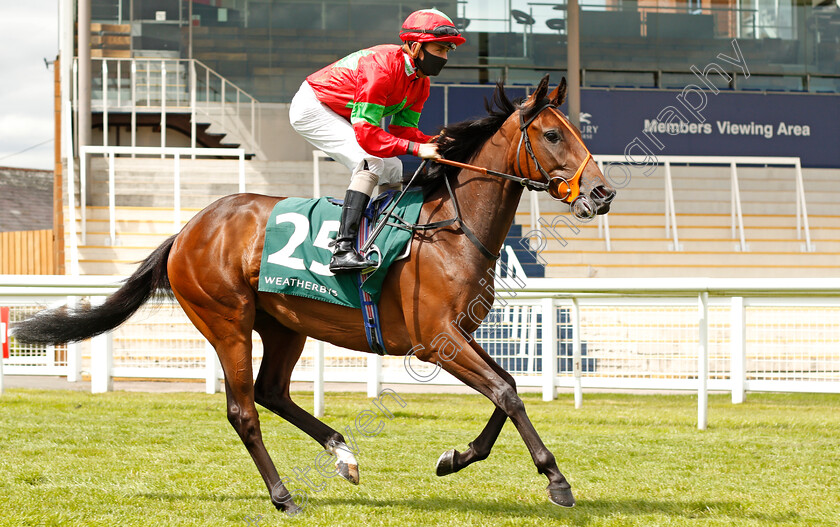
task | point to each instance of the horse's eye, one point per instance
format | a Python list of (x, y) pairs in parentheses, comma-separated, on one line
[(552, 136)]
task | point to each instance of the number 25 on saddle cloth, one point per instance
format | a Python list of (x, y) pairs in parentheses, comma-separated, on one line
[(296, 255)]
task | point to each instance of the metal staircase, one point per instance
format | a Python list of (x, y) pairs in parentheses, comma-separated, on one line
[(163, 90)]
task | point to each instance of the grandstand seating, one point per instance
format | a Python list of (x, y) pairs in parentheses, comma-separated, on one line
[(270, 64), (640, 245)]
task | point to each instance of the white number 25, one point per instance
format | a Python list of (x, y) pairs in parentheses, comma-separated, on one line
[(301, 223)]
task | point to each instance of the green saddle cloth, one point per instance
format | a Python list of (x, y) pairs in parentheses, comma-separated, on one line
[(296, 254)]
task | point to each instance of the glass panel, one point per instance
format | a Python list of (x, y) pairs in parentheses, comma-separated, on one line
[(267, 47)]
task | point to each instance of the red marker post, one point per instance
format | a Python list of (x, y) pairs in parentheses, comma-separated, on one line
[(4, 330)]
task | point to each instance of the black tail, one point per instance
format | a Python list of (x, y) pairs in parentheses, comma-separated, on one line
[(58, 326)]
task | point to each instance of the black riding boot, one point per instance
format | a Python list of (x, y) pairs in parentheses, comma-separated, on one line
[(345, 257)]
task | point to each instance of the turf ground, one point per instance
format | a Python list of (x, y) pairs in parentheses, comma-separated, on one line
[(129, 459)]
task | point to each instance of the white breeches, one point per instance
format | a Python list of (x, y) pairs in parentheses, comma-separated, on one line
[(334, 135)]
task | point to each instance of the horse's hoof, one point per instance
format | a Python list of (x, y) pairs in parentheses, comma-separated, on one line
[(348, 472), (345, 463), (446, 463), (562, 497), (287, 505)]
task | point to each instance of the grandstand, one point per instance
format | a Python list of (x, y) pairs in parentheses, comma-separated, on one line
[(169, 81), (640, 244), (220, 74)]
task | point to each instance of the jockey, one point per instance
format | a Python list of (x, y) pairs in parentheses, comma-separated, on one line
[(339, 110)]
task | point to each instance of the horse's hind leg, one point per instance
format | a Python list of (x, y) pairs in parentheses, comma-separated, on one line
[(479, 449), (282, 350), (229, 331)]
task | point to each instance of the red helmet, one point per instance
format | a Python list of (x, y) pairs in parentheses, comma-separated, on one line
[(430, 25)]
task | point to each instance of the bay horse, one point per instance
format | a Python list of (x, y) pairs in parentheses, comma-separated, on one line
[(212, 268)]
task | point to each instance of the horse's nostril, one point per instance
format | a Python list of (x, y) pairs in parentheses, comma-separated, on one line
[(602, 194)]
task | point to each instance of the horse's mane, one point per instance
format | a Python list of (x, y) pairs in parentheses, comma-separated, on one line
[(460, 141)]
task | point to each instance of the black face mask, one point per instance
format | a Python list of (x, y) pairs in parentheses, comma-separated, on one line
[(430, 64)]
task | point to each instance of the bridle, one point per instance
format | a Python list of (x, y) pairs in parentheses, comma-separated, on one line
[(572, 193), (572, 185)]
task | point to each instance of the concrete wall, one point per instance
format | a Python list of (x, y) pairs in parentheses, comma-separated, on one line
[(278, 140)]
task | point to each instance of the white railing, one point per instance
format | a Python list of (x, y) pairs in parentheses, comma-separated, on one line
[(161, 85), (734, 335), (737, 220), (110, 152)]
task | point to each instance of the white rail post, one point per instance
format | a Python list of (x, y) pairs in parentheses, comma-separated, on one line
[(224, 95), (732, 220), (549, 348), (101, 358), (176, 77), (148, 83), (604, 221), (83, 192), (703, 360), (162, 106), (133, 104), (577, 362), (318, 385), (802, 208), (253, 124), (75, 131), (737, 212), (74, 350), (535, 215), (112, 200), (105, 102), (670, 213), (212, 369), (71, 197), (374, 380), (738, 349), (176, 196), (192, 105), (241, 171), (607, 240), (119, 80)]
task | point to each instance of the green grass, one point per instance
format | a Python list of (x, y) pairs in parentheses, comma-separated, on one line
[(124, 459)]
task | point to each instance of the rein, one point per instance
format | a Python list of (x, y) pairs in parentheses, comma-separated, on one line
[(530, 184), (428, 226)]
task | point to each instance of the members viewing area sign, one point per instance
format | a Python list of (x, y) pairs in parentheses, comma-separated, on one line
[(686, 122), (729, 123)]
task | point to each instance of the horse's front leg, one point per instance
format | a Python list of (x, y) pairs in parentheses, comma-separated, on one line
[(469, 367), (479, 449)]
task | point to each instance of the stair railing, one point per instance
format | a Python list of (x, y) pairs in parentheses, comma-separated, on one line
[(161, 85), (109, 152), (737, 221)]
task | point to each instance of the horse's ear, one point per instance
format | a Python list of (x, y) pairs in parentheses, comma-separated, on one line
[(558, 95), (541, 91)]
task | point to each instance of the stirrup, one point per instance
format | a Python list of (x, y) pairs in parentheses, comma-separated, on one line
[(349, 261)]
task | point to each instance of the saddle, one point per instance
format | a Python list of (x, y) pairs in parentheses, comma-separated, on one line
[(296, 252)]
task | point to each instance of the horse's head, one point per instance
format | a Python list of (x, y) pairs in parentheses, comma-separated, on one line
[(550, 150)]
